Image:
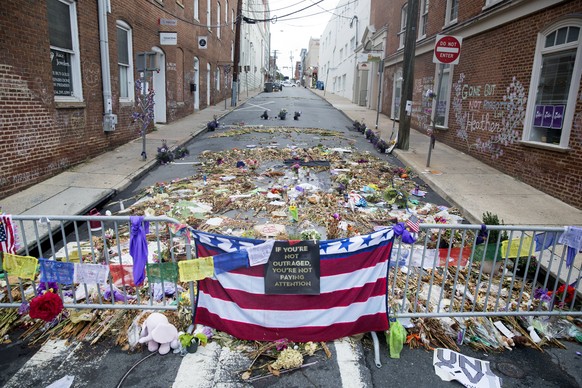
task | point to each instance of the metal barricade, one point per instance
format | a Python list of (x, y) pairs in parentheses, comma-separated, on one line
[(99, 240), (467, 271)]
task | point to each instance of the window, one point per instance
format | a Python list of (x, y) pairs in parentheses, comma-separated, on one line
[(353, 44), (226, 12), (125, 62), (196, 10), (218, 11), (64, 46), (396, 94), (452, 11), (208, 14), (423, 18), (442, 109), (341, 55), (489, 3), (217, 78), (402, 33), (554, 84), (233, 19)]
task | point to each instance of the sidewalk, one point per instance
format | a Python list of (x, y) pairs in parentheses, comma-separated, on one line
[(465, 182), (81, 188)]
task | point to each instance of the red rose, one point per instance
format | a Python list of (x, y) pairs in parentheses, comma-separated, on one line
[(46, 306)]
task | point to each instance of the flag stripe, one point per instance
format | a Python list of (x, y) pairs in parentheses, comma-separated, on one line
[(325, 300), (365, 323), (256, 285)]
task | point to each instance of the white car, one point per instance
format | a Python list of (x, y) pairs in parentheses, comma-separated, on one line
[(287, 83)]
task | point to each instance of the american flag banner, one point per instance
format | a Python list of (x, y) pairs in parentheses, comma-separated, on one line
[(7, 234), (352, 297), (413, 224)]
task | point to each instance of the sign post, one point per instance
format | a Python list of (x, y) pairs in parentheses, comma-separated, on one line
[(447, 51)]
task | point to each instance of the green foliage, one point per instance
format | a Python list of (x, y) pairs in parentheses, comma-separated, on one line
[(492, 219)]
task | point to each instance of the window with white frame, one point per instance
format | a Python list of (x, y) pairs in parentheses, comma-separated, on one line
[(64, 47), (196, 10), (208, 14), (217, 78), (489, 3), (554, 84), (441, 107), (402, 33), (225, 12), (422, 23), (452, 11), (396, 94), (125, 61), (218, 11)]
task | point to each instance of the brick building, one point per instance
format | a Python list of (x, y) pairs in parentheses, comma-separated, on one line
[(514, 100), (68, 73)]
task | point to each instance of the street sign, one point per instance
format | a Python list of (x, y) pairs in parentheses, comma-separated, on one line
[(447, 49)]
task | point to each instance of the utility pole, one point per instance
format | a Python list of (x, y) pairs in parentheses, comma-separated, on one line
[(291, 58), (235, 71), (408, 74)]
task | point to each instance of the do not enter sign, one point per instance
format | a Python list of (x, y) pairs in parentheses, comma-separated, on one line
[(447, 49)]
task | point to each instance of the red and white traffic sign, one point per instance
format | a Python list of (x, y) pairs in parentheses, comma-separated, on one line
[(447, 49)]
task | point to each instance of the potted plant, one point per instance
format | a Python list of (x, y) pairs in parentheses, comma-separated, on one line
[(282, 114)]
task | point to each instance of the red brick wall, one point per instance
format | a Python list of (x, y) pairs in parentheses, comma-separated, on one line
[(493, 65), (39, 139)]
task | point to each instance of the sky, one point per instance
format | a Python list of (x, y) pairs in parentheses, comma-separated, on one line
[(291, 34)]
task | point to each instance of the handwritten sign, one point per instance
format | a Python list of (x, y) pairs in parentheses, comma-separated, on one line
[(293, 268)]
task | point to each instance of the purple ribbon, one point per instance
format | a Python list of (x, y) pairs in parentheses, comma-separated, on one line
[(138, 247)]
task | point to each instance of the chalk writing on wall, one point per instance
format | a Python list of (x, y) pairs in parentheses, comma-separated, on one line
[(495, 122)]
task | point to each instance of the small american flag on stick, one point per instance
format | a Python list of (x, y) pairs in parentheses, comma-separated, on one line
[(413, 224)]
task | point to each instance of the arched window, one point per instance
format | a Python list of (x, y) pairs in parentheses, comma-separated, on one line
[(554, 84)]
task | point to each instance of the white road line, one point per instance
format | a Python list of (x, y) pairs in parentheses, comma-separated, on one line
[(348, 361), (209, 367), (252, 106)]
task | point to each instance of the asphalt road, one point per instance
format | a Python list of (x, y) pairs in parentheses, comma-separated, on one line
[(352, 362)]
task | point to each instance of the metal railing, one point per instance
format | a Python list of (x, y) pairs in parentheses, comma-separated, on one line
[(461, 271), (98, 240), (450, 271)]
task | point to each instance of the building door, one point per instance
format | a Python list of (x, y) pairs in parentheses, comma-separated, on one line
[(197, 84), (159, 85)]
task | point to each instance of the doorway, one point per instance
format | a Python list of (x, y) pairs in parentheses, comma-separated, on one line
[(159, 85)]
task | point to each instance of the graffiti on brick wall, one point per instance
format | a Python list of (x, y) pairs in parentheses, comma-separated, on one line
[(91, 73), (495, 122), (423, 111)]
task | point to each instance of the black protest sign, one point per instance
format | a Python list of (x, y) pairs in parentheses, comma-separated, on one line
[(293, 268)]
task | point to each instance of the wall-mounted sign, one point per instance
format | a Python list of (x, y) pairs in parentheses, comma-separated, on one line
[(293, 268), (167, 22), (202, 42), (168, 38), (364, 66)]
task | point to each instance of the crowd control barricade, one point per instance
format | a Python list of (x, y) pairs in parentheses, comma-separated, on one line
[(101, 240), (476, 270)]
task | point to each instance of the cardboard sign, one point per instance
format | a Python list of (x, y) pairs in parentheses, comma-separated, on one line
[(293, 268)]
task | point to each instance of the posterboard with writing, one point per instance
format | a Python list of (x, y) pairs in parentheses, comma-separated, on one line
[(293, 268)]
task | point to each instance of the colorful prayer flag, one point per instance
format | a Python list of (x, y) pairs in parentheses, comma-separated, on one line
[(196, 269), (56, 271), (511, 248), (91, 273), (7, 235), (22, 266), (352, 299), (162, 272), (122, 275)]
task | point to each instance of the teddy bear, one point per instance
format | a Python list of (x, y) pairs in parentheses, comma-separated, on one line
[(159, 334)]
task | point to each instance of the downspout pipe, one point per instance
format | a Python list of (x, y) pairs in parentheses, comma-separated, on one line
[(109, 119)]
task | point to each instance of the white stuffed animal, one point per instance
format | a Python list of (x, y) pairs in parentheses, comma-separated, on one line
[(159, 334)]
